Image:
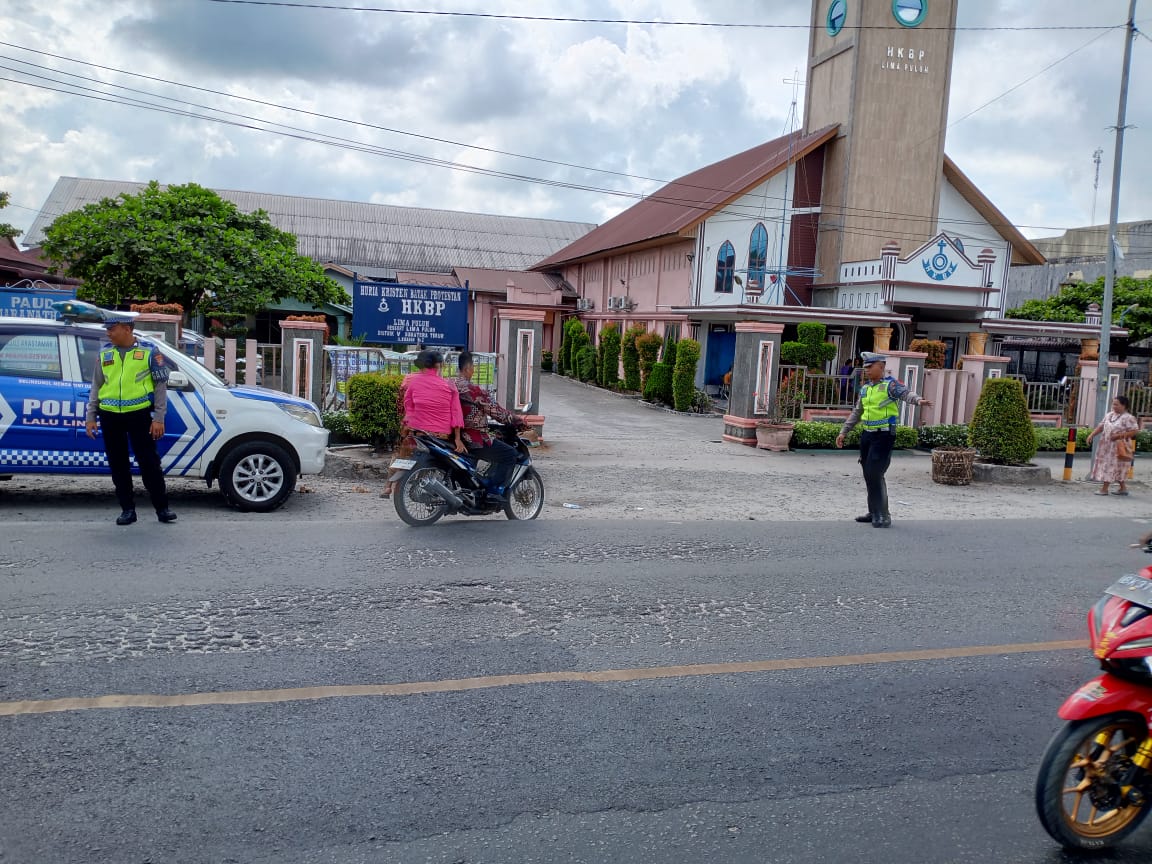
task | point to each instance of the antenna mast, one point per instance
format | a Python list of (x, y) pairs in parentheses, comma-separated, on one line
[(1096, 157)]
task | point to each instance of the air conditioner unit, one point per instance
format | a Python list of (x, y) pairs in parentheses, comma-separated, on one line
[(626, 303), (614, 302), (584, 304)]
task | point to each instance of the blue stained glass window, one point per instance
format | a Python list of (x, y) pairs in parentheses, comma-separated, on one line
[(909, 13), (725, 268), (757, 254), (837, 14)]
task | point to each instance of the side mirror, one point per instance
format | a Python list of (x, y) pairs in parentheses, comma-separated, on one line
[(178, 381)]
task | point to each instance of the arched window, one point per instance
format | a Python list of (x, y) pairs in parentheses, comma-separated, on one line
[(725, 268), (757, 255)]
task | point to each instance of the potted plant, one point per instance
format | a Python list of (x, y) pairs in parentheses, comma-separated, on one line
[(775, 432)]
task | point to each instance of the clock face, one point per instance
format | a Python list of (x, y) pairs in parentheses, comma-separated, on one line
[(909, 13), (837, 14)]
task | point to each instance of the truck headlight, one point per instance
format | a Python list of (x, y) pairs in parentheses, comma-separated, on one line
[(299, 412)]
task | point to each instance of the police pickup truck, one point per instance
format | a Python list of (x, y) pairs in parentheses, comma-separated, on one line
[(254, 442)]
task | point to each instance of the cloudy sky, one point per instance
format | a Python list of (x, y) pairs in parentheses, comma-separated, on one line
[(618, 103)]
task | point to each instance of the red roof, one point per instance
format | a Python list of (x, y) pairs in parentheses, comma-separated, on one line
[(682, 203), (10, 254)]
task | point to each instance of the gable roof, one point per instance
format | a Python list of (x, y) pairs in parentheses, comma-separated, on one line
[(1023, 251), (488, 281), (362, 236), (678, 206)]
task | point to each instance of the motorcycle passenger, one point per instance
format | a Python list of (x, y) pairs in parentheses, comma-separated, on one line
[(478, 406), (431, 403)]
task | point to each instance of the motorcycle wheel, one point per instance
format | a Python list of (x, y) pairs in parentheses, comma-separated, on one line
[(1078, 795), (413, 504), (526, 498)]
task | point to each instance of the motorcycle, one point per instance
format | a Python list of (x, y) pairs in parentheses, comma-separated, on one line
[(1095, 782), (438, 482)]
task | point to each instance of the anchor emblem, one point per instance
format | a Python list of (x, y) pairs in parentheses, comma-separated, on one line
[(939, 266)]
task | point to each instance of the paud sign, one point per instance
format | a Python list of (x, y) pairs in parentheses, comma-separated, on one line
[(32, 304), (410, 314)]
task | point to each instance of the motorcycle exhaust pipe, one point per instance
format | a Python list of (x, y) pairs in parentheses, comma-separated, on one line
[(444, 494)]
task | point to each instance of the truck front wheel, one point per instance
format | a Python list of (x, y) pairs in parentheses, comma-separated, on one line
[(257, 476)]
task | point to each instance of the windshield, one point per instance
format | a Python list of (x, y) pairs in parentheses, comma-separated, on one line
[(192, 368)]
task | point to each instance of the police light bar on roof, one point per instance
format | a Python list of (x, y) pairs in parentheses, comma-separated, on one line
[(78, 310)]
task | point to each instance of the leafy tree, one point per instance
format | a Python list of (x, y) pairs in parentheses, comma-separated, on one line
[(631, 357), (811, 351), (186, 245), (7, 230), (649, 347), (1072, 302), (610, 356)]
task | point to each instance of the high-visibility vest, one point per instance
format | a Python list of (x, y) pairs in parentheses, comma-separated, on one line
[(127, 379), (880, 410)]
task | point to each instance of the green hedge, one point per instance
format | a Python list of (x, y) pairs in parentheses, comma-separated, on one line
[(585, 362), (816, 435), (684, 375), (338, 423), (609, 356), (659, 384), (1001, 428), (631, 357), (944, 435), (374, 407), (648, 346)]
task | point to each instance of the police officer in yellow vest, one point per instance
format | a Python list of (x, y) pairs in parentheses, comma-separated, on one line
[(878, 406), (129, 398)]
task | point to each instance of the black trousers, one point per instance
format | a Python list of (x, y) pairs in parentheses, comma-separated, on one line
[(875, 457), (135, 428), (503, 458)]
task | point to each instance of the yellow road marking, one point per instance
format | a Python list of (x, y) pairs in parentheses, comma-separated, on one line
[(603, 676)]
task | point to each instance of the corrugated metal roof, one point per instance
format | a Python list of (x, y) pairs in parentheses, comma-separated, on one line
[(693, 197), (359, 235)]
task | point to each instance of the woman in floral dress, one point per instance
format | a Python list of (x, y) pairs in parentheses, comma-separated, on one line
[(1109, 468)]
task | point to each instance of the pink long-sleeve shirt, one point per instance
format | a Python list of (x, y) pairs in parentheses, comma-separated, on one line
[(431, 403)]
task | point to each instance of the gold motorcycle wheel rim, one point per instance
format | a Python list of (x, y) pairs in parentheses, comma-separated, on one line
[(1089, 767)]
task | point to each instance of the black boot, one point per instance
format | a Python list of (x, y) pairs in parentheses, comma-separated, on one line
[(127, 517), (866, 518)]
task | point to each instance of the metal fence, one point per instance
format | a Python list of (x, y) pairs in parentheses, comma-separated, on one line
[(800, 389), (1059, 397), (342, 362)]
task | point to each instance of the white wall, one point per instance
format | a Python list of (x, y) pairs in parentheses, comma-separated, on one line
[(764, 204), (960, 219)]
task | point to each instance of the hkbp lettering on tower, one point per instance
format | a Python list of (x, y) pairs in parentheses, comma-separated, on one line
[(410, 314)]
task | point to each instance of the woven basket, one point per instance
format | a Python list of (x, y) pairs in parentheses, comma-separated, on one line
[(952, 466)]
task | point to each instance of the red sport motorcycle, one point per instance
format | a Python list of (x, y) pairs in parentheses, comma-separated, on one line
[(1095, 782)]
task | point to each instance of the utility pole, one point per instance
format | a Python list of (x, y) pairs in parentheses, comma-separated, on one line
[(1096, 157), (1113, 216)]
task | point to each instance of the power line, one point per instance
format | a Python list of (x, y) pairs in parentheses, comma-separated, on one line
[(310, 135), (551, 19)]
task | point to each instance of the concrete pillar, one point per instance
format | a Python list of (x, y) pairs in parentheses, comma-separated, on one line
[(1086, 397), (755, 371), (977, 340), (302, 359), (908, 367), (981, 367), (519, 351), (881, 337)]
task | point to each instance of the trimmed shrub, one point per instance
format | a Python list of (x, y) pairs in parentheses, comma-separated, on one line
[(935, 350), (374, 409), (701, 402), (648, 346), (579, 340), (1056, 440), (684, 374), (811, 350), (659, 384), (546, 358), (586, 364), (1001, 428), (157, 308), (668, 358), (944, 435), (609, 356), (822, 435), (631, 357), (338, 423)]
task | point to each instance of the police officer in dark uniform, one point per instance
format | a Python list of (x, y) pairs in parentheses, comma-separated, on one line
[(129, 398), (876, 405)]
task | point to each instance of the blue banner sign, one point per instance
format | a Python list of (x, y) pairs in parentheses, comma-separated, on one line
[(32, 304), (410, 314)]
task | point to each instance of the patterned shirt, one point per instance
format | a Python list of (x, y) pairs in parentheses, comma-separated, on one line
[(478, 407)]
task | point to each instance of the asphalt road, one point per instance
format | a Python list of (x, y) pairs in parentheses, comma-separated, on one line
[(910, 761)]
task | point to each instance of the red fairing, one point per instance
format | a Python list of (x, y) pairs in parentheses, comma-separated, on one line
[(1108, 694)]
